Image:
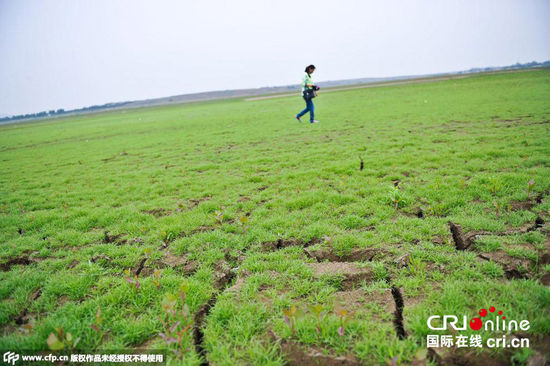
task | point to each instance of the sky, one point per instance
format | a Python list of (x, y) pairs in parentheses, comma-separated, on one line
[(75, 53)]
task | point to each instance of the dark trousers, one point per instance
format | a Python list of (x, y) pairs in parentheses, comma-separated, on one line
[(309, 108)]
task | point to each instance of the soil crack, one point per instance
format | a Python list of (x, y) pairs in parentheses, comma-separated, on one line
[(292, 242), (140, 266), (24, 316), (398, 314), (464, 241), (222, 282)]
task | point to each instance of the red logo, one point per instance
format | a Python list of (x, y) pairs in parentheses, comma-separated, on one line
[(477, 323)]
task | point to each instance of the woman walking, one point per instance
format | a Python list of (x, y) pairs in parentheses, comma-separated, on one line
[(308, 93)]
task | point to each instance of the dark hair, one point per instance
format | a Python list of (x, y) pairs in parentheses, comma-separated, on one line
[(310, 67)]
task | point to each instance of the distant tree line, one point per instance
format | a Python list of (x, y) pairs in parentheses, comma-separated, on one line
[(61, 111), (510, 67)]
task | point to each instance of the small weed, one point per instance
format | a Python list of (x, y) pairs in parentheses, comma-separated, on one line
[(498, 207), (176, 320), (290, 318), (133, 280), (530, 186), (98, 321), (157, 273), (97, 326), (168, 236), (27, 328), (181, 206), (61, 340), (244, 221), (396, 196), (344, 318), (319, 313), (218, 217)]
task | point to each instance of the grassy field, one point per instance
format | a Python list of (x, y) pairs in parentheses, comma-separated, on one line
[(228, 233)]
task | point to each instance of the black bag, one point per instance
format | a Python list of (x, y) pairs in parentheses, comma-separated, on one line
[(308, 94)]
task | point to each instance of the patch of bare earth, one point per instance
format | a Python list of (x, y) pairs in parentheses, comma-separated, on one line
[(297, 354), (196, 202), (352, 274), (415, 213), (200, 229), (513, 267), (357, 299), (159, 212), (367, 254), (527, 204), (147, 345), (22, 260), (291, 242), (119, 239), (353, 299), (464, 240), (179, 263), (237, 286)]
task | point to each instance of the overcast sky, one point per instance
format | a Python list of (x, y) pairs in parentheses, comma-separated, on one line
[(73, 53)]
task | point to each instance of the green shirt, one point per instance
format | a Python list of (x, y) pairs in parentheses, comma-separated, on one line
[(306, 80)]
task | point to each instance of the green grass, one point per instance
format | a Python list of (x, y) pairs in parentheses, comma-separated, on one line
[(175, 182)]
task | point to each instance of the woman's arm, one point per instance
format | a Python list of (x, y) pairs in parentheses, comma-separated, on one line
[(306, 82)]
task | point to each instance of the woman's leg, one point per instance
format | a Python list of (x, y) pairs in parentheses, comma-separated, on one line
[(305, 110), (311, 108)]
